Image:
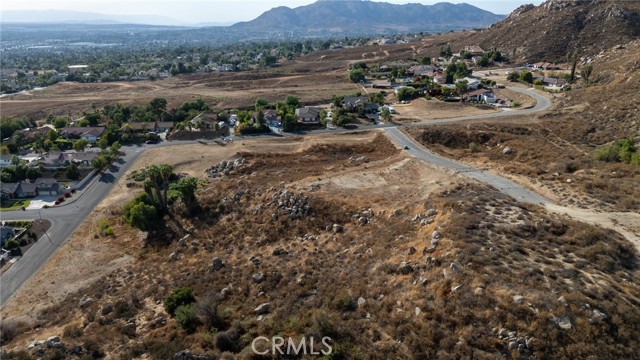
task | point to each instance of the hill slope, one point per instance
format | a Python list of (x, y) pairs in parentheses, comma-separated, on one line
[(368, 17), (551, 30)]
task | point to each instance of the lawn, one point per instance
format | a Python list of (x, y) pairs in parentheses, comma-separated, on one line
[(13, 204)]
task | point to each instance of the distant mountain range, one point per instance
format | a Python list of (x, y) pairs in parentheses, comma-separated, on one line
[(333, 16), (81, 17), (322, 18)]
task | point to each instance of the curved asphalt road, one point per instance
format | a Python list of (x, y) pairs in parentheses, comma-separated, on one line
[(66, 218)]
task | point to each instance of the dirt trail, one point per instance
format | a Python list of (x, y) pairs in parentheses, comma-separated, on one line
[(625, 223)]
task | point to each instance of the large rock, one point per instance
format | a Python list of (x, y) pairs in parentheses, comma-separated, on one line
[(518, 299), (258, 278), (217, 264), (435, 235), (337, 228), (507, 150), (563, 322), (262, 309), (405, 268), (85, 301)]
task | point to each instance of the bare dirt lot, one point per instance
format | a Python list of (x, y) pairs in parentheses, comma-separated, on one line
[(422, 109), (389, 250)]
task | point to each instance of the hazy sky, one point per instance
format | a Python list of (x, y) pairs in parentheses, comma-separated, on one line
[(194, 11)]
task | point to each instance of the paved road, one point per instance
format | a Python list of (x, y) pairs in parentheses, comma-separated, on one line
[(65, 219), (503, 185)]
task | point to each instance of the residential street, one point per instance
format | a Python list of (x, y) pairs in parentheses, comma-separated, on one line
[(66, 218)]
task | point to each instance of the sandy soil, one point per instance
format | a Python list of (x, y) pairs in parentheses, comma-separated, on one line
[(422, 109), (84, 258)]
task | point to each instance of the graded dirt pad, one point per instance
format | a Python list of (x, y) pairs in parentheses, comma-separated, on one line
[(422, 109)]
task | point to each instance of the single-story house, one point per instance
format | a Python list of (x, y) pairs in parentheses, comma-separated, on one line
[(8, 190), (382, 84), (163, 126), (83, 158), (370, 107), (421, 69), (17, 190), (91, 134), (6, 160), (554, 82), (142, 126), (204, 121), (478, 95), (474, 50), (353, 102), (472, 83), (47, 186), (308, 114), (27, 189), (546, 66)]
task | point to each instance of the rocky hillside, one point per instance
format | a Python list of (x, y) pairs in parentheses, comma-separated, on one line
[(549, 31), (369, 17)]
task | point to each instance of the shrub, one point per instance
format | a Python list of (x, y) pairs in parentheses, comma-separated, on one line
[(180, 296), (186, 317), (474, 147), (623, 151), (73, 332), (105, 228)]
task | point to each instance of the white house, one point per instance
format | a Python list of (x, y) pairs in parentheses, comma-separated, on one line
[(472, 83), (5, 160)]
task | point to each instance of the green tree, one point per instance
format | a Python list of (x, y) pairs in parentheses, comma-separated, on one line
[(142, 216), (187, 187), (115, 148), (179, 297), (72, 172), (80, 145), (357, 75), (462, 87), (59, 122), (93, 118), (445, 51), (385, 114), (157, 185), (526, 76), (425, 60), (158, 106), (292, 101), (483, 61), (186, 317), (100, 163), (586, 72)]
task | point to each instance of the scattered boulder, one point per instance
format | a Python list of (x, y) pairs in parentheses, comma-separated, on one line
[(361, 301), (159, 321), (107, 309), (85, 301), (225, 292), (518, 299), (173, 256), (279, 252), (597, 316), (295, 206), (363, 220), (397, 212), (262, 309), (217, 264), (432, 212), (405, 268), (411, 251), (436, 235), (188, 355), (563, 301), (478, 291), (337, 228), (507, 150), (224, 168), (258, 278), (563, 322), (455, 266)]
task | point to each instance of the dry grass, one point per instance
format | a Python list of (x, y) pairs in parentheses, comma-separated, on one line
[(313, 284)]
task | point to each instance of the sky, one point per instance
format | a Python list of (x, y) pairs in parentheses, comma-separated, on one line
[(222, 11)]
